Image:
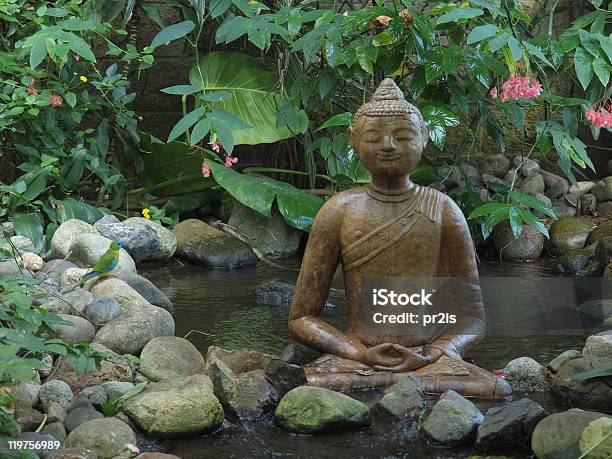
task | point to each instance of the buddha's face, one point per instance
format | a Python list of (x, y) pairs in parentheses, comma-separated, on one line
[(389, 147)]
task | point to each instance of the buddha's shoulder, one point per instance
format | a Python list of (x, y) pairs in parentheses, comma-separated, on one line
[(347, 198)]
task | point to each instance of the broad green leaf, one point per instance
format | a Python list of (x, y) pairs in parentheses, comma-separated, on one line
[(181, 89), (70, 208), (583, 63), (70, 99), (438, 119), (173, 32), (341, 119), (30, 225), (38, 53), (185, 123), (253, 87), (531, 201), (200, 130), (458, 14), (489, 208), (516, 222), (483, 32), (602, 70), (600, 372), (515, 48), (298, 207), (537, 52)]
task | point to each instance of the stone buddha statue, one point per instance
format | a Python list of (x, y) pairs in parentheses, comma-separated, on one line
[(391, 229)]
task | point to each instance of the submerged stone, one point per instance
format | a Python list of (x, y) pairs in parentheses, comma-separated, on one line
[(452, 420)]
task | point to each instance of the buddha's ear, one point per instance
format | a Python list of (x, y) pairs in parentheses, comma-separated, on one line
[(425, 132)]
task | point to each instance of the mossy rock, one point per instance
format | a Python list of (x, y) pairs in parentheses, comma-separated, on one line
[(312, 410), (602, 231), (568, 234)]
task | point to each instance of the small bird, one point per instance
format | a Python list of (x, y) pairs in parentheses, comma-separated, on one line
[(105, 264)]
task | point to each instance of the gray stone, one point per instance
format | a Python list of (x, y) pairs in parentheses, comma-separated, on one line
[(555, 364), (140, 241), (115, 389), (528, 166), (278, 293), (96, 395), (7, 228), (544, 200), (148, 290), (167, 237), (598, 349), (588, 203), (558, 436), (525, 374), (73, 302), (167, 357), (250, 383), (402, 399), (21, 243), (593, 394), (569, 233), (605, 209), (556, 186), (569, 199), (86, 250), (495, 165), (510, 426), (9, 267), (79, 416), (113, 287), (452, 420), (311, 410), (55, 391), (82, 331), (510, 176), (205, 245), (603, 190), (564, 211), (102, 310), (581, 187), (56, 412), (72, 276), (533, 184), (602, 231), (270, 235), (55, 268), (28, 419), (56, 430), (26, 394), (471, 174), (66, 234), (132, 331), (528, 246), (107, 437), (176, 407), (581, 262)]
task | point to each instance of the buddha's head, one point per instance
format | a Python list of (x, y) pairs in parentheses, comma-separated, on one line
[(388, 132)]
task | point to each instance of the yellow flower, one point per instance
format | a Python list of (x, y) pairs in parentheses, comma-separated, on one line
[(83, 78), (146, 213)]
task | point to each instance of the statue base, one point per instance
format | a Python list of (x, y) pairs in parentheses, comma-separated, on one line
[(337, 373)]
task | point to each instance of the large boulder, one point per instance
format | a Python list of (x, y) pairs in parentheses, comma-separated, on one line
[(528, 166), (38, 445), (509, 426), (532, 184), (140, 241), (311, 410), (167, 357), (118, 289), (601, 231), (167, 238), (556, 186), (525, 374), (86, 250), (202, 244), (603, 190), (174, 407), (496, 165), (452, 420), (81, 415), (569, 233), (107, 437), (249, 382), (102, 310), (65, 235), (598, 349), (402, 399), (55, 391), (528, 246), (129, 333), (73, 302), (81, 330), (148, 290), (558, 436), (119, 369), (605, 209), (271, 235)]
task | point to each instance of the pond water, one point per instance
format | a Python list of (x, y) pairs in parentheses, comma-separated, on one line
[(217, 307)]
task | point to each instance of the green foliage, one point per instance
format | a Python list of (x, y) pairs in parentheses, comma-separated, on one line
[(601, 372)]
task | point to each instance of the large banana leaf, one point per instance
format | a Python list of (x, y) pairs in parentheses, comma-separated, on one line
[(298, 207), (173, 168), (252, 86)]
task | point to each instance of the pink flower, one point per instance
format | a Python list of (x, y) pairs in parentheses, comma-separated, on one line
[(600, 114), (205, 170), (230, 160), (215, 146), (56, 100), (76, 57), (517, 87), (32, 91)]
